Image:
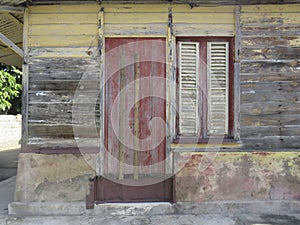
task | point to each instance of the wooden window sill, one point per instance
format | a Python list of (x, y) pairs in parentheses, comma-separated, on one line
[(192, 146)]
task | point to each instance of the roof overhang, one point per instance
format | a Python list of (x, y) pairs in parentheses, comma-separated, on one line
[(190, 2), (11, 31)]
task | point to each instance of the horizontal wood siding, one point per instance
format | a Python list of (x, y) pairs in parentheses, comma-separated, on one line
[(203, 21), (64, 76), (134, 20), (270, 84)]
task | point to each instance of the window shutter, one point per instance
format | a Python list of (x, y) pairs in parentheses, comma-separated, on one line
[(218, 73), (188, 88)]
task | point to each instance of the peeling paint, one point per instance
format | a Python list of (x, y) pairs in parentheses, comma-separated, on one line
[(239, 176)]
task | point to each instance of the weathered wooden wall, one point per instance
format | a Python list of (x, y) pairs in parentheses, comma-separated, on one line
[(270, 84), (64, 76), (63, 51)]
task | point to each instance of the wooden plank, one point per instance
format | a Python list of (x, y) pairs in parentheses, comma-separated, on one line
[(24, 139), (11, 45), (276, 143), (134, 8), (66, 64), (264, 67), (122, 118), (270, 30), (252, 42), (206, 18), (59, 110), (61, 18), (271, 8), (60, 143), (269, 108), (274, 86), (61, 97), (270, 18), (12, 9), (259, 131), (25, 35), (14, 19), (101, 51), (135, 29), (68, 74), (63, 29), (56, 52), (134, 18), (46, 9), (185, 8), (270, 52), (136, 117), (270, 96), (274, 76), (59, 131), (199, 29), (62, 41), (237, 70), (90, 85), (269, 131), (282, 119), (45, 119)]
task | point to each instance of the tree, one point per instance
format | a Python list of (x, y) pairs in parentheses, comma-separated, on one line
[(10, 87)]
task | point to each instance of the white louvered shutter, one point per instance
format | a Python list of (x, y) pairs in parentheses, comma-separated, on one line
[(188, 88), (218, 82)]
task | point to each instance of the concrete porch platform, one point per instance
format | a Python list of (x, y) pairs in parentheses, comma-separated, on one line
[(226, 208)]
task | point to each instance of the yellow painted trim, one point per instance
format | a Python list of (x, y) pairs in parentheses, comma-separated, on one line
[(60, 18), (46, 9), (63, 29), (185, 8), (62, 41), (206, 18), (135, 17), (229, 145), (128, 8)]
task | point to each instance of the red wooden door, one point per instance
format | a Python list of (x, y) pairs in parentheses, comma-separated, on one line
[(135, 117)]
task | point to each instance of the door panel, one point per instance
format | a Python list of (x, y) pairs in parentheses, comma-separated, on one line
[(135, 108)]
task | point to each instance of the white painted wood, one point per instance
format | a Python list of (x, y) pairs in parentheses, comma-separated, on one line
[(218, 85), (188, 88), (11, 45)]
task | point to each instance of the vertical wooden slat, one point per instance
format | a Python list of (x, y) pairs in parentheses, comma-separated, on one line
[(237, 65), (170, 92), (122, 118), (25, 81), (101, 46), (136, 116)]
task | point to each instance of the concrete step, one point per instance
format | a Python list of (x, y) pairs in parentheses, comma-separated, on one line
[(153, 209)]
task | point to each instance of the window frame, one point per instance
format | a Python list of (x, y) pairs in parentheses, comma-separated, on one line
[(203, 136)]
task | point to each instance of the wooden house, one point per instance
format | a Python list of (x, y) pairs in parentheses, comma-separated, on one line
[(169, 101)]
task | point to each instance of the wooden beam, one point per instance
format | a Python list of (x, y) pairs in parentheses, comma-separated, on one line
[(11, 9), (11, 45)]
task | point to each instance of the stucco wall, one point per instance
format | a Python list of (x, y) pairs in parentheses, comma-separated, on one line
[(10, 131), (237, 176), (58, 178)]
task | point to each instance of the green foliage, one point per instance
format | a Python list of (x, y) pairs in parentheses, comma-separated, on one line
[(10, 86)]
